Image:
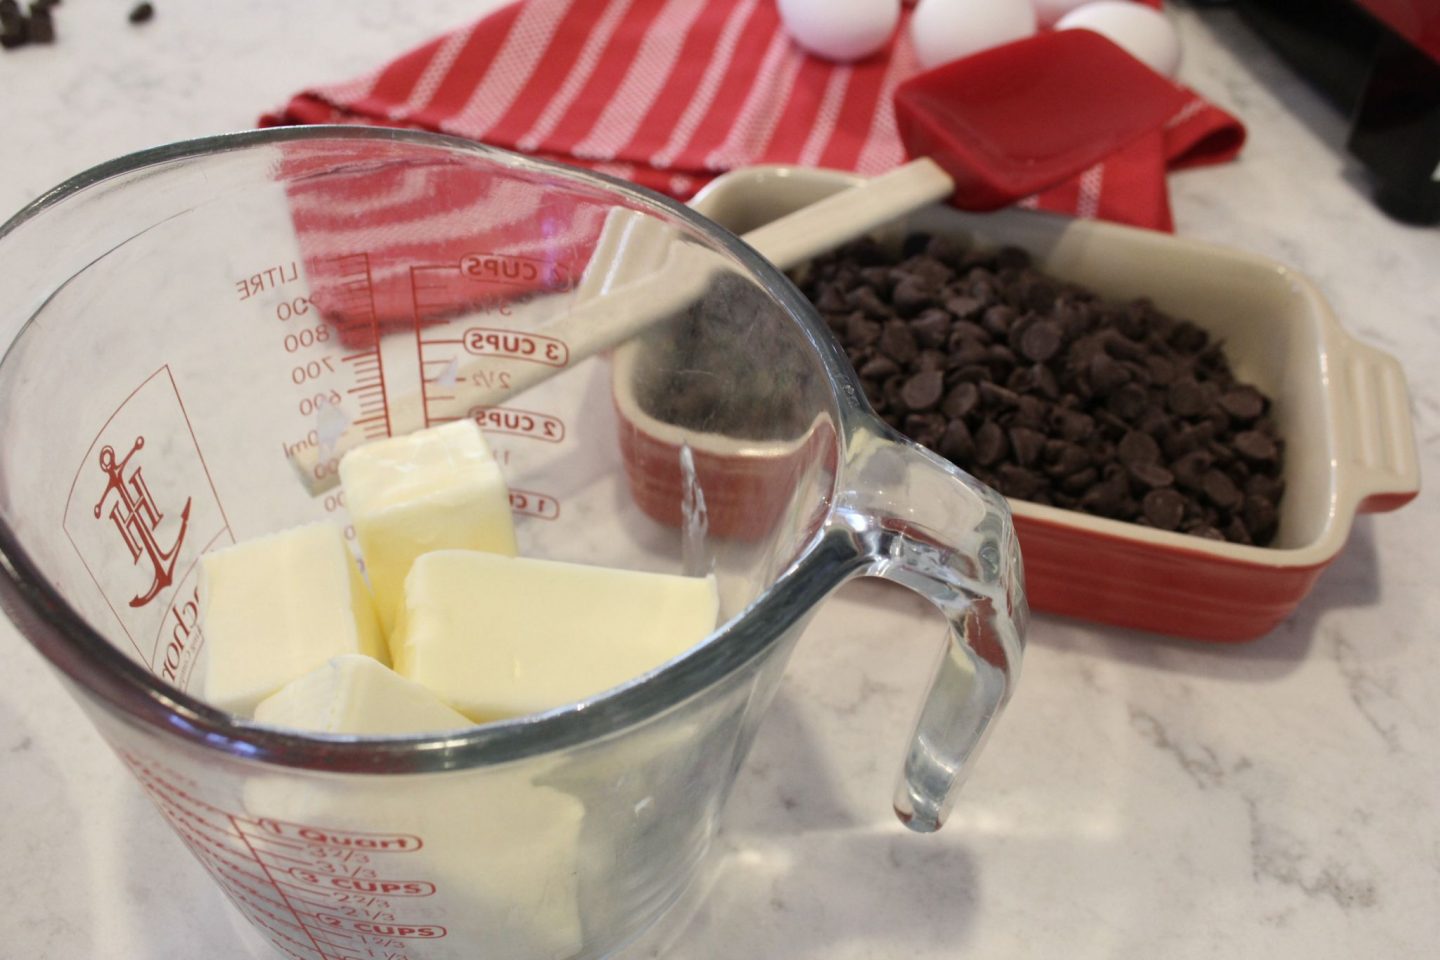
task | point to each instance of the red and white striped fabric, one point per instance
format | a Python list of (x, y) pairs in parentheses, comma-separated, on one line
[(670, 93)]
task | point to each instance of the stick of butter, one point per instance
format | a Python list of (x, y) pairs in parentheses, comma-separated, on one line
[(499, 637), (433, 489), (278, 606), (353, 693)]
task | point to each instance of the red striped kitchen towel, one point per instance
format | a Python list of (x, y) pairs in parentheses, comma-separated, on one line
[(670, 93)]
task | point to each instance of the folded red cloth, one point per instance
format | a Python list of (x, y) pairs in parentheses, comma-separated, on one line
[(670, 93)]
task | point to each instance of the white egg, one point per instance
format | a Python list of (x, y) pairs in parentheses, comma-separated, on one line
[(945, 30), (840, 30), (1143, 31), (1049, 11)]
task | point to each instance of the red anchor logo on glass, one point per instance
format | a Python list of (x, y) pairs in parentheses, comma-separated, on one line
[(136, 518)]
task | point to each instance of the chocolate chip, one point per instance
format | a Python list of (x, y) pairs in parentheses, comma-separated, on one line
[(1185, 398), (923, 390), (941, 248), (1040, 341), (956, 444), (1106, 374), (960, 400), (142, 13), (925, 429), (1190, 469), (1127, 402), (997, 320), (1264, 486), (1018, 482), (867, 301), (1164, 508), (1045, 381), (997, 396), (1001, 356), (1136, 447), (964, 307), (915, 244), (1065, 459), (1071, 424), (1256, 445), (879, 367), (1012, 258), (931, 328), (1260, 516), (1149, 474), (861, 331), (1026, 445), (911, 295), (897, 342), (1123, 348), (930, 360), (1161, 369), (1220, 490), (1243, 403), (41, 28), (831, 299), (990, 444), (1031, 411), (1080, 481), (1106, 497)]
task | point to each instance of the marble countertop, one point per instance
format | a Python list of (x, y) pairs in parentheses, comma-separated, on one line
[(1141, 798)]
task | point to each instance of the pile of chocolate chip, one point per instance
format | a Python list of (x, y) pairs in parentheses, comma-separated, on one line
[(1044, 391), (720, 366)]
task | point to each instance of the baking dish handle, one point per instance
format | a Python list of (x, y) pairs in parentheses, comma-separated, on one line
[(1378, 433), (915, 519)]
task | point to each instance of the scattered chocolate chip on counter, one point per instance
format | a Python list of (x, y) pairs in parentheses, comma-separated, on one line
[(1045, 391), (18, 29), (142, 13)]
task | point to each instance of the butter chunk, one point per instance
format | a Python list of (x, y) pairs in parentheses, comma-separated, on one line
[(353, 693), (434, 489), (278, 606), (499, 637)]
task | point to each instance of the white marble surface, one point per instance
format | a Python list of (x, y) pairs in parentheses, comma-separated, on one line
[(1142, 798)]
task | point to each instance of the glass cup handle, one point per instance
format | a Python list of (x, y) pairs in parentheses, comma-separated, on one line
[(919, 521)]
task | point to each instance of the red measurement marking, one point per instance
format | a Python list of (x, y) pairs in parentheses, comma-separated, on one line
[(355, 306), (514, 345), (271, 879), (520, 423), (268, 279), (343, 839), (513, 271), (542, 506), (384, 888), (370, 928)]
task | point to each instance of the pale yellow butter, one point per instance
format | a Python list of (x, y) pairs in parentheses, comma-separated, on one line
[(497, 637), (431, 490), (278, 606), (353, 693)]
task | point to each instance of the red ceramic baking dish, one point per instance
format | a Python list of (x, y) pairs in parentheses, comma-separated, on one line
[(1341, 406)]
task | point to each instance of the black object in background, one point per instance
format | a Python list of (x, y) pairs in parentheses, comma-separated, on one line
[(1385, 82)]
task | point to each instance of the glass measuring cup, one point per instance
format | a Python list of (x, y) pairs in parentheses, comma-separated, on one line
[(208, 326)]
